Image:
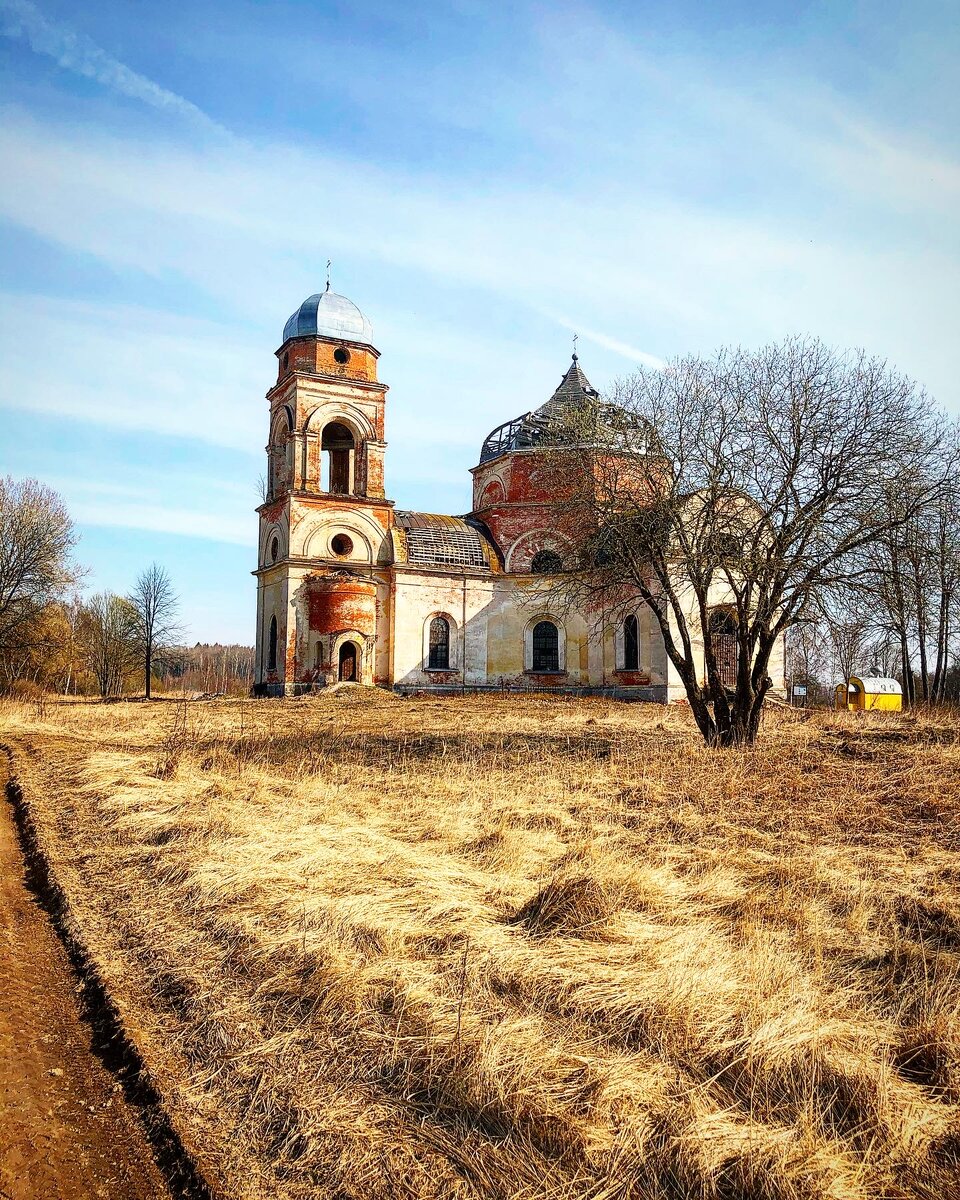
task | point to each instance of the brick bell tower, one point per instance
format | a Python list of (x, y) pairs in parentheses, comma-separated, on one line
[(323, 573)]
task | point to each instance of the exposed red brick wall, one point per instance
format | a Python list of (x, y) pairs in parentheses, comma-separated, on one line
[(338, 603), (317, 355)]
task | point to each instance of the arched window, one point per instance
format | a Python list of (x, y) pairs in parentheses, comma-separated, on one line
[(631, 644), (338, 444), (546, 647), (723, 637), (279, 453), (272, 646), (438, 657), (546, 562)]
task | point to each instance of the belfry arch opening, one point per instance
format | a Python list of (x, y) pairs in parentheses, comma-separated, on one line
[(338, 448)]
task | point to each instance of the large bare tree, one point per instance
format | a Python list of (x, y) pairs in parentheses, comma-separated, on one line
[(36, 538), (155, 605), (728, 492)]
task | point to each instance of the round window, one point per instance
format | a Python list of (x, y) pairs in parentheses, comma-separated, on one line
[(274, 549), (341, 355), (341, 545), (546, 562)]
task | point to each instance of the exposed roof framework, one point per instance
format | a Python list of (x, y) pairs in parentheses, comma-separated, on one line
[(435, 540), (574, 401)]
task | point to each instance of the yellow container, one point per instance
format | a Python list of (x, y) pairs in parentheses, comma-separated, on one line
[(873, 692)]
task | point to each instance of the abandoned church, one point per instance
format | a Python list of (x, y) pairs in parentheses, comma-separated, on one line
[(352, 588)]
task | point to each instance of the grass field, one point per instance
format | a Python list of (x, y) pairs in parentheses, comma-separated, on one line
[(485, 947)]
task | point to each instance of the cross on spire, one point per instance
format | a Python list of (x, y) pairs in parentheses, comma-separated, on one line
[(575, 338), (329, 265)]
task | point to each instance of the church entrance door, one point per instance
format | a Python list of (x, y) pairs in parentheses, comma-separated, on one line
[(349, 659)]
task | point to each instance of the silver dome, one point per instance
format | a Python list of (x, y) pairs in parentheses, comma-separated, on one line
[(329, 315)]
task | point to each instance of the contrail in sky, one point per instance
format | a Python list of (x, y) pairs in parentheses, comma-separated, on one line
[(76, 52), (608, 343)]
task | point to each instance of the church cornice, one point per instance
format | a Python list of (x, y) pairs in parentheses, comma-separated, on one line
[(372, 572), (336, 499), (290, 380), (329, 341)]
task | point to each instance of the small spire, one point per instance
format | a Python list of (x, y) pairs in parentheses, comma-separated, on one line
[(575, 337), (329, 265)]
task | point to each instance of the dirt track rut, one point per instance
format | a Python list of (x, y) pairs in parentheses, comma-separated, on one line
[(66, 1129)]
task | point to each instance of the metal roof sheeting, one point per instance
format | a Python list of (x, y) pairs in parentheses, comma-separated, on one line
[(327, 314)]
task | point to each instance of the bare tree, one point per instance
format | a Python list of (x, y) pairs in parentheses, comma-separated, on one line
[(849, 621), (36, 537), (109, 636), (155, 604), (807, 656), (946, 552), (914, 573), (728, 493)]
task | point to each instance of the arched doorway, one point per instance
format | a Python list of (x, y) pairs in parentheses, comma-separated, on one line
[(723, 635), (348, 669)]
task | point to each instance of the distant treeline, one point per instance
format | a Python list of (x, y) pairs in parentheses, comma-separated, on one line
[(208, 668)]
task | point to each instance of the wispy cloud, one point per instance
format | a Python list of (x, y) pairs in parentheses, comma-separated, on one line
[(129, 505), (133, 368), (481, 204), (162, 517), (78, 53)]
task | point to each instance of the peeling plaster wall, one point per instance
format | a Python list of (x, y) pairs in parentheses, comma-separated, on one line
[(463, 598), (492, 619), (272, 602)]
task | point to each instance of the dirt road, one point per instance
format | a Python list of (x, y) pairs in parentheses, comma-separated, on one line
[(66, 1129)]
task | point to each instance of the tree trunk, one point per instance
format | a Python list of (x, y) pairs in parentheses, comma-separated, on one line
[(909, 691), (922, 638), (943, 638)]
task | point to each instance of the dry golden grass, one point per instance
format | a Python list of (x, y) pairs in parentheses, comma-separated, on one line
[(486, 947)]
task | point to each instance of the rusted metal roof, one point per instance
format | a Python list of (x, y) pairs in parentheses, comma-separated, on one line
[(435, 540)]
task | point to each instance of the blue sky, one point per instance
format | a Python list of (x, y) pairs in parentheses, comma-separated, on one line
[(663, 178)]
